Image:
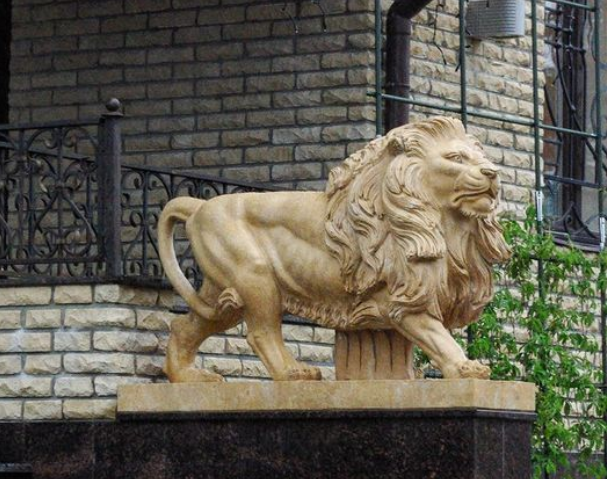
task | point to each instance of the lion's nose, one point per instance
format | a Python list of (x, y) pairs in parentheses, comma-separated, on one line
[(489, 172)]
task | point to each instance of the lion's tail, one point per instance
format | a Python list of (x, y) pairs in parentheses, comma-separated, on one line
[(179, 209)]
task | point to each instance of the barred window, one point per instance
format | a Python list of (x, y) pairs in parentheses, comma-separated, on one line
[(571, 171)]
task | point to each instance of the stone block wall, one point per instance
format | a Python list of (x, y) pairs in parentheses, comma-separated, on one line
[(64, 350), (223, 85), (229, 87)]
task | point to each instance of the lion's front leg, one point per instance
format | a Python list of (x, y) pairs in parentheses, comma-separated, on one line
[(436, 341)]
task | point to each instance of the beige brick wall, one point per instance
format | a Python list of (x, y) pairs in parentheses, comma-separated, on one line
[(65, 349)]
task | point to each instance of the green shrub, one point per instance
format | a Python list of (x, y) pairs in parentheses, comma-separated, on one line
[(543, 326)]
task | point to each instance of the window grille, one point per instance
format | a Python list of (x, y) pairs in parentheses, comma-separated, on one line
[(570, 156)]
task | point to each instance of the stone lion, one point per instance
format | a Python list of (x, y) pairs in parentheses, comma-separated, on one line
[(403, 238)]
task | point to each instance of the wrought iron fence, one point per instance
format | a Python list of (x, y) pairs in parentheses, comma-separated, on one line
[(571, 152), (49, 222), (70, 211)]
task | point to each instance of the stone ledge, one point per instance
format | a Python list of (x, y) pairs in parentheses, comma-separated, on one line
[(325, 396)]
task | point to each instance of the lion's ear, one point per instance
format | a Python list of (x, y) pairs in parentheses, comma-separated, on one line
[(396, 145), (415, 221)]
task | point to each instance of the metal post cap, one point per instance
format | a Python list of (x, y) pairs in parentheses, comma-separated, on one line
[(113, 105)]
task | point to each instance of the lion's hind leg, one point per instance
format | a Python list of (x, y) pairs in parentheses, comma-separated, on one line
[(263, 313), (189, 331)]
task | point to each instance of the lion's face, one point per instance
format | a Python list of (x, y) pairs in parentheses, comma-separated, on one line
[(401, 202), (462, 178)]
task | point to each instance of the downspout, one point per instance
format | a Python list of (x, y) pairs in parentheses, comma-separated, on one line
[(398, 54)]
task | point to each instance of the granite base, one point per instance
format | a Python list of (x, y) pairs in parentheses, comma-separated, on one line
[(454, 444)]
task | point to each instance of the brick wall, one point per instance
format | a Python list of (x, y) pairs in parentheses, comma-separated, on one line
[(65, 349), (223, 85)]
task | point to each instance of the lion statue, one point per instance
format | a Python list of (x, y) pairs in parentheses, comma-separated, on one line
[(403, 238)]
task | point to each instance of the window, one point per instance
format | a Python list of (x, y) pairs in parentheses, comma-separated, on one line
[(572, 179)]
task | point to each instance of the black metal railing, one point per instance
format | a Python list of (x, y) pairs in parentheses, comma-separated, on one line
[(70, 211), (49, 222)]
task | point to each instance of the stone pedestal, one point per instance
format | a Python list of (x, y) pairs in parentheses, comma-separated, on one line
[(456, 429), (425, 429)]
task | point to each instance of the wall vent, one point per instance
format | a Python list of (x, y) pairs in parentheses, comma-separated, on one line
[(495, 18)]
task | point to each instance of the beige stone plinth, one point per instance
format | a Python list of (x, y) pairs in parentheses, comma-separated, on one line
[(325, 396)]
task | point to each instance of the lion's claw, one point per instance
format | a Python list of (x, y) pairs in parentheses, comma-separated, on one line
[(193, 375), (304, 373), (473, 369)]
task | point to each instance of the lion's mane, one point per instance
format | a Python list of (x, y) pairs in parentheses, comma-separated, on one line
[(385, 230)]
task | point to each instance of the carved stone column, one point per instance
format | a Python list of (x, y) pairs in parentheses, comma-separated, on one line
[(372, 354)]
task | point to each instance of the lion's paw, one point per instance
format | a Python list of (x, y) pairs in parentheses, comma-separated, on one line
[(473, 369), (193, 375), (304, 373)]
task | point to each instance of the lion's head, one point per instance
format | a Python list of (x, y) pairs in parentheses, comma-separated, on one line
[(392, 204)]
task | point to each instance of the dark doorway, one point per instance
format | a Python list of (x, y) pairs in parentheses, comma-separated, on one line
[(5, 53)]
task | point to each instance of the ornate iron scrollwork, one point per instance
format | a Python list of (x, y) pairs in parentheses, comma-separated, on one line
[(51, 207), (48, 193)]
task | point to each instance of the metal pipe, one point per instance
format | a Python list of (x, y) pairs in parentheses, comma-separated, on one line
[(379, 101), (560, 129), (413, 101), (463, 79), (539, 224), (573, 181), (398, 52), (581, 6), (536, 125), (479, 113)]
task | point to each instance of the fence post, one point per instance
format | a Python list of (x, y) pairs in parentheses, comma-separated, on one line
[(110, 191)]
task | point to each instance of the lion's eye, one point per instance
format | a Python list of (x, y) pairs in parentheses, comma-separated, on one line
[(456, 157)]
